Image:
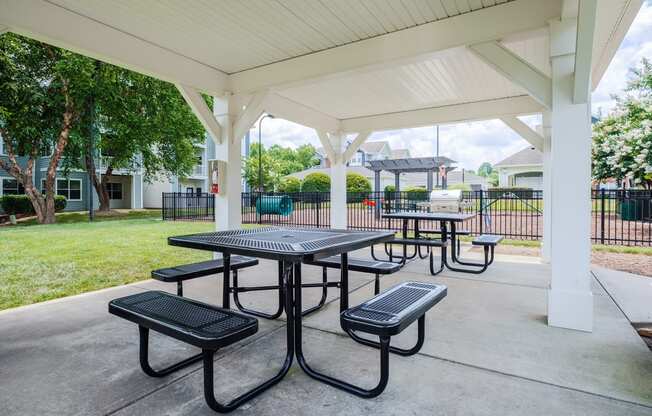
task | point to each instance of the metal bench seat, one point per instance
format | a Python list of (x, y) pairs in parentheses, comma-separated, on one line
[(205, 268), (358, 265), (487, 240), (196, 323), (190, 321), (417, 243), (392, 311), (386, 315)]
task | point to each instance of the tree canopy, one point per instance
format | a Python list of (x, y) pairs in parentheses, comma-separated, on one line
[(49, 100), (622, 141), (485, 169), (277, 162)]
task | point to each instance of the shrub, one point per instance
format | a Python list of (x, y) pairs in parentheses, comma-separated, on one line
[(20, 204), (289, 184), (460, 186), (358, 187), (417, 193), (316, 182)]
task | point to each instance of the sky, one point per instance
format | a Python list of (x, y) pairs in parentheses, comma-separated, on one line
[(471, 144)]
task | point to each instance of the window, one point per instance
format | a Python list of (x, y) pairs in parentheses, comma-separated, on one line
[(70, 188), (198, 190), (11, 187), (114, 189), (189, 189)]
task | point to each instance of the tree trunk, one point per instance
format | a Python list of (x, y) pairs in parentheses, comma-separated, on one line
[(99, 185)]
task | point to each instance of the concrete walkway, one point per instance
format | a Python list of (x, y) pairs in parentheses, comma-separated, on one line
[(488, 351)]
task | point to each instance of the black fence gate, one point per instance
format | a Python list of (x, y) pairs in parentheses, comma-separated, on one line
[(188, 206)]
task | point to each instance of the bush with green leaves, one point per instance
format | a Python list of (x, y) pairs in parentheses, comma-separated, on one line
[(316, 182), (21, 205), (358, 187), (460, 186), (289, 184), (417, 193)]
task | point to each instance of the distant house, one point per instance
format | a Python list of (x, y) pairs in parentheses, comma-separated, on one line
[(196, 182), (368, 151), (522, 169), (125, 186)]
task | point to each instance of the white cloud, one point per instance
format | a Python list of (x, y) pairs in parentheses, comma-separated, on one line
[(473, 143)]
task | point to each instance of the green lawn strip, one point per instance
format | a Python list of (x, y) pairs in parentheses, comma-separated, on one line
[(51, 261), (82, 217)]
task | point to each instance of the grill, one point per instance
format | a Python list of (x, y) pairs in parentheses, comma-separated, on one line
[(446, 201)]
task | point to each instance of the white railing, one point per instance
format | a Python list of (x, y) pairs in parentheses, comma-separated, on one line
[(199, 170)]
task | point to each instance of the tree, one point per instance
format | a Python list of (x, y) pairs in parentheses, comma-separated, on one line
[(485, 169), (42, 91), (622, 141), (270, 178), (143, 123), (277, 162)]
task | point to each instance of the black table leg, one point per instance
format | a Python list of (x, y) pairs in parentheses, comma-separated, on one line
[(344, 282), (226, 283), (301, 359)]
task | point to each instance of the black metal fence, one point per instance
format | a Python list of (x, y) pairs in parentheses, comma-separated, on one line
[(619, 217), (188, 206), (622, 217)]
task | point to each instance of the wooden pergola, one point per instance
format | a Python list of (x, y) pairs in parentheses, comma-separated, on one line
[(350, 68), (427, 165)]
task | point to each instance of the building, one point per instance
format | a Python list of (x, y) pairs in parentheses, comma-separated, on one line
[(125, 186), (196, 182), (523, 169), (368, 151)]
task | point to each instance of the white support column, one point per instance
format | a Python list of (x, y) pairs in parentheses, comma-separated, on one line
[(228, 202), (335, 143), (570, 301), (547, 190)]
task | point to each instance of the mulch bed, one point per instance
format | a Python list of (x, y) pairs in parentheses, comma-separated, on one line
[(631, 263)]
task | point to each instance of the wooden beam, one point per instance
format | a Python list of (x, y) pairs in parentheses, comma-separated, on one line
[(394, 49), (355, 145), (201, 110), (255, 108), (58, 26), (601, 62), (474, 111), (515, 69), (328, 146), (584, 51), (287, 109), (523, 130)]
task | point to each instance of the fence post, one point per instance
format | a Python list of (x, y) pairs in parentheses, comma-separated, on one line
[(481, 209), (318, 208), (174, 207), (602, 216)]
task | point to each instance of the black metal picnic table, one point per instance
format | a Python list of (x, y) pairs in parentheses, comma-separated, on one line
[(290, 247), (444, 219)]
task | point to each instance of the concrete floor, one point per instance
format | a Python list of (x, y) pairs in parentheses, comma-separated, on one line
[(488, 351)]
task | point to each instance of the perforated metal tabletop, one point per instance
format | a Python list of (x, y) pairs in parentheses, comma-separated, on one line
[(277, 243), (434, 216)]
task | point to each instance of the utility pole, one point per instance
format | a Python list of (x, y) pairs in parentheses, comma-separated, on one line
[(437, 184)]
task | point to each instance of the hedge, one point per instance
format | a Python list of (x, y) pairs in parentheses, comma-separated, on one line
[(289, 185), (316, 182), (417, 193), (20, 204), (358, 187)]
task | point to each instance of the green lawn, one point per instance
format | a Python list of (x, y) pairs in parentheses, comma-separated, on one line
[(44, 262)]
